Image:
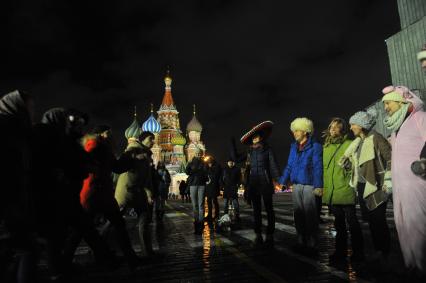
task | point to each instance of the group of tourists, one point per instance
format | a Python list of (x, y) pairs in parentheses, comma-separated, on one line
[(57, 180), (369, 169)]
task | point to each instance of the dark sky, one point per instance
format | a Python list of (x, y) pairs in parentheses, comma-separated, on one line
[(241, 61)]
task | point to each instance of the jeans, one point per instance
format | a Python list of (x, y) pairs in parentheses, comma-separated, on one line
[(347, 214), (144, 229), (235, 203), (197, 196), (305, 212), (160, 206), (257, 212)]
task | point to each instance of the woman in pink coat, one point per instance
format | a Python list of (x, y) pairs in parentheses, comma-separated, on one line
[(407, 120)]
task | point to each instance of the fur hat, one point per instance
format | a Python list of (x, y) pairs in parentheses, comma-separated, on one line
[(397, 93), (302, 124), (364, 119)]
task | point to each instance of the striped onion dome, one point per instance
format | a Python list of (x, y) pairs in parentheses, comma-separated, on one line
[(151, 125), (178, 140), (134, 130)]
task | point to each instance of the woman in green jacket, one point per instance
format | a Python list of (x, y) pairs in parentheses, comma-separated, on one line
[(338, 194)]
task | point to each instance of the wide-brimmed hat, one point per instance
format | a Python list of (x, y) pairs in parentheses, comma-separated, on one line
[(264, 129)]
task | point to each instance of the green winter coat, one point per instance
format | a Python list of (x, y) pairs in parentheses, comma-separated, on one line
[(336, 179)]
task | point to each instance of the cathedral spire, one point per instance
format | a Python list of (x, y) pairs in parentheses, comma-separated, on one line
[(168, 99)]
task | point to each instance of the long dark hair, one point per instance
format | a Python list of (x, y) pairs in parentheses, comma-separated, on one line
[(344, 129)]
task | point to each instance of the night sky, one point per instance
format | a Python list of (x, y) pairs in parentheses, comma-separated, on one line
[(240, 62)]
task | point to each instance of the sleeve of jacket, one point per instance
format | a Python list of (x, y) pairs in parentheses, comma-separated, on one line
[(123, 164), (385, 150), (273, 166), (318, 166), (287, 169), (188, 169)]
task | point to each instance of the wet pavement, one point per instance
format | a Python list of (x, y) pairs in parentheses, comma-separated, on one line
[(230, 256)]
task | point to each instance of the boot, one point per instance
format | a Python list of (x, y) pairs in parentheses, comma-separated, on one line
[(195, 227), (337, 256), (258, 241), (147, 241), (269, 241), (200, 228)]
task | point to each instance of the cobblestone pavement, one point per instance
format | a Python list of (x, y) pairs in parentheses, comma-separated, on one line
[(231, 256)]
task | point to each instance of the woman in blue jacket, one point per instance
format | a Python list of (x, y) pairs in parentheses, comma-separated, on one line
[(304, 170)]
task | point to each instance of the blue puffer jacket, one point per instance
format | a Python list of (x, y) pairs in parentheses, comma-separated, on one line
[(304, 167)]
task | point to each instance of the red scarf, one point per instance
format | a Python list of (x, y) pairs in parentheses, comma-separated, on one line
[(302, 145)]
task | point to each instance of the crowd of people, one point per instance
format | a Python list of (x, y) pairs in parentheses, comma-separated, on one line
[(369, 170), (57, 179)]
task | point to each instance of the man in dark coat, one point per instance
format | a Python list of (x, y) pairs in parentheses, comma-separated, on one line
[(164, 181), (16, 206), (231, 180), (262, 178), (214, 172), (61, 165)]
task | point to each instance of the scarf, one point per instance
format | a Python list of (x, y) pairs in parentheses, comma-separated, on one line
[(395, 121), (334, 140)]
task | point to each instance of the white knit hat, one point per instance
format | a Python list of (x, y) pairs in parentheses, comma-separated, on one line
[(302, 124)]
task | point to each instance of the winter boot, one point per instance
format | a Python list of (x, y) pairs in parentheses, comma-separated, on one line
[(269, 241), (258, 241)]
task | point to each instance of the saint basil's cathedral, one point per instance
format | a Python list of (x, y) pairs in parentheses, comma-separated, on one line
[(172, 146)]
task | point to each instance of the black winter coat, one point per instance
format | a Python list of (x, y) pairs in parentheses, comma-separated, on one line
[(213, 186), (263, 169), (197, 174), (231, 180)]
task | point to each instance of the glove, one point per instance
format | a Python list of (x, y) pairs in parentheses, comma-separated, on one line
[(318, 192), (419, 168), (387, 184)]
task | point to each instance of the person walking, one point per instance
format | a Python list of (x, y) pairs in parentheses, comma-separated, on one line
[(163, 190), (214, 173), (197, 179), (135, 187), (231, 180)]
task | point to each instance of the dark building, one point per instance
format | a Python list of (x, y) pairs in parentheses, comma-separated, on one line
[(402, 50)]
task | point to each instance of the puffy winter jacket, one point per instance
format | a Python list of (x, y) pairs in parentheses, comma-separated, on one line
[(304, 166), (263, 169)]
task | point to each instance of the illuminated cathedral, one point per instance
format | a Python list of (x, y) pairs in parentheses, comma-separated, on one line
[(172, 146)]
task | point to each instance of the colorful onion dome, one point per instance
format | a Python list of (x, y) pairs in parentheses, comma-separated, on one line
[(151, 125), (194, 125), (178, 140), (134, 130)]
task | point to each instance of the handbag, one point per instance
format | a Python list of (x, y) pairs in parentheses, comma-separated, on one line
[(376, 199)]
